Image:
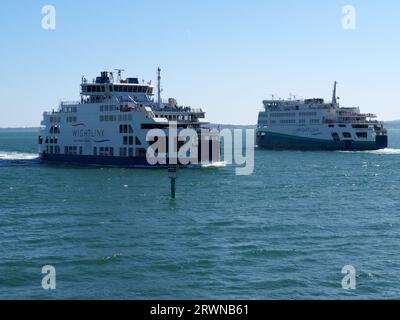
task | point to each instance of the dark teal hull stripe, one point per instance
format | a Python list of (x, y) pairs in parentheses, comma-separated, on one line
[(278, 141), (137, 162)]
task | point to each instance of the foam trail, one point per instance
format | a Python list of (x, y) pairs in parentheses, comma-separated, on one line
[(385, 151), (17, 156), (218, 164), (381, 151)]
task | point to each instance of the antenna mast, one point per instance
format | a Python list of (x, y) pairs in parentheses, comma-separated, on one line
[(334, 101), (119, 71), (159, 87)]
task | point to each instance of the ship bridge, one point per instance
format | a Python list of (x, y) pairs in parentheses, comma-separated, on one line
[(105, 87)]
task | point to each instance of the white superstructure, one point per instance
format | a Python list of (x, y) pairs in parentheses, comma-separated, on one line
[(110, 122)]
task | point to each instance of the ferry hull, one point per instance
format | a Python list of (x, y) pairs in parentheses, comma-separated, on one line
[(136, 162), (213, 156), (275, 141)]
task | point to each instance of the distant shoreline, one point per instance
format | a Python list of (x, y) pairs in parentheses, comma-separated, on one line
[(23, 129)]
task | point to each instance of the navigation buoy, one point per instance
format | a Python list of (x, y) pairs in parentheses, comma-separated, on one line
[(172, 178)]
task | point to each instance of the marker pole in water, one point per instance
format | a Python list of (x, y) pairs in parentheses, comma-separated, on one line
[(172, 177)]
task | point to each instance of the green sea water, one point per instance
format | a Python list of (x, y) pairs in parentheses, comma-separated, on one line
[(284, 232)]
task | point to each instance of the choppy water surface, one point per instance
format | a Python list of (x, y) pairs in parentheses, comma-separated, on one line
[(284, 232)]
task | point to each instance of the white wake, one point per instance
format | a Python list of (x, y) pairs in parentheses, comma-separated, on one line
[(217, 164), (381, 151), (17, 156), (385, 151)]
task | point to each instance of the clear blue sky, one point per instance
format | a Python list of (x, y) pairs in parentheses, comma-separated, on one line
[(222, 55)]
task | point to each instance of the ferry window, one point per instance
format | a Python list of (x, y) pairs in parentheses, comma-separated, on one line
[(130, 140), (141, 152), (125, 140), (335, 136), (95, 151), (346, 135), (137, 141), (125, 89), (111, 88), (89, 89), (135, 89), (342, 125), (131, 152), (122, 152), (130, 89), (331, 126), (362, 135)]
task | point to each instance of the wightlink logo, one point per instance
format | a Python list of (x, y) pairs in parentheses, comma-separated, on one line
[(189, 147), (88, 133)]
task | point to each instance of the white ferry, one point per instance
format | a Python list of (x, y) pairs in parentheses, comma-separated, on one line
[(108, 126), (313, 124)]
